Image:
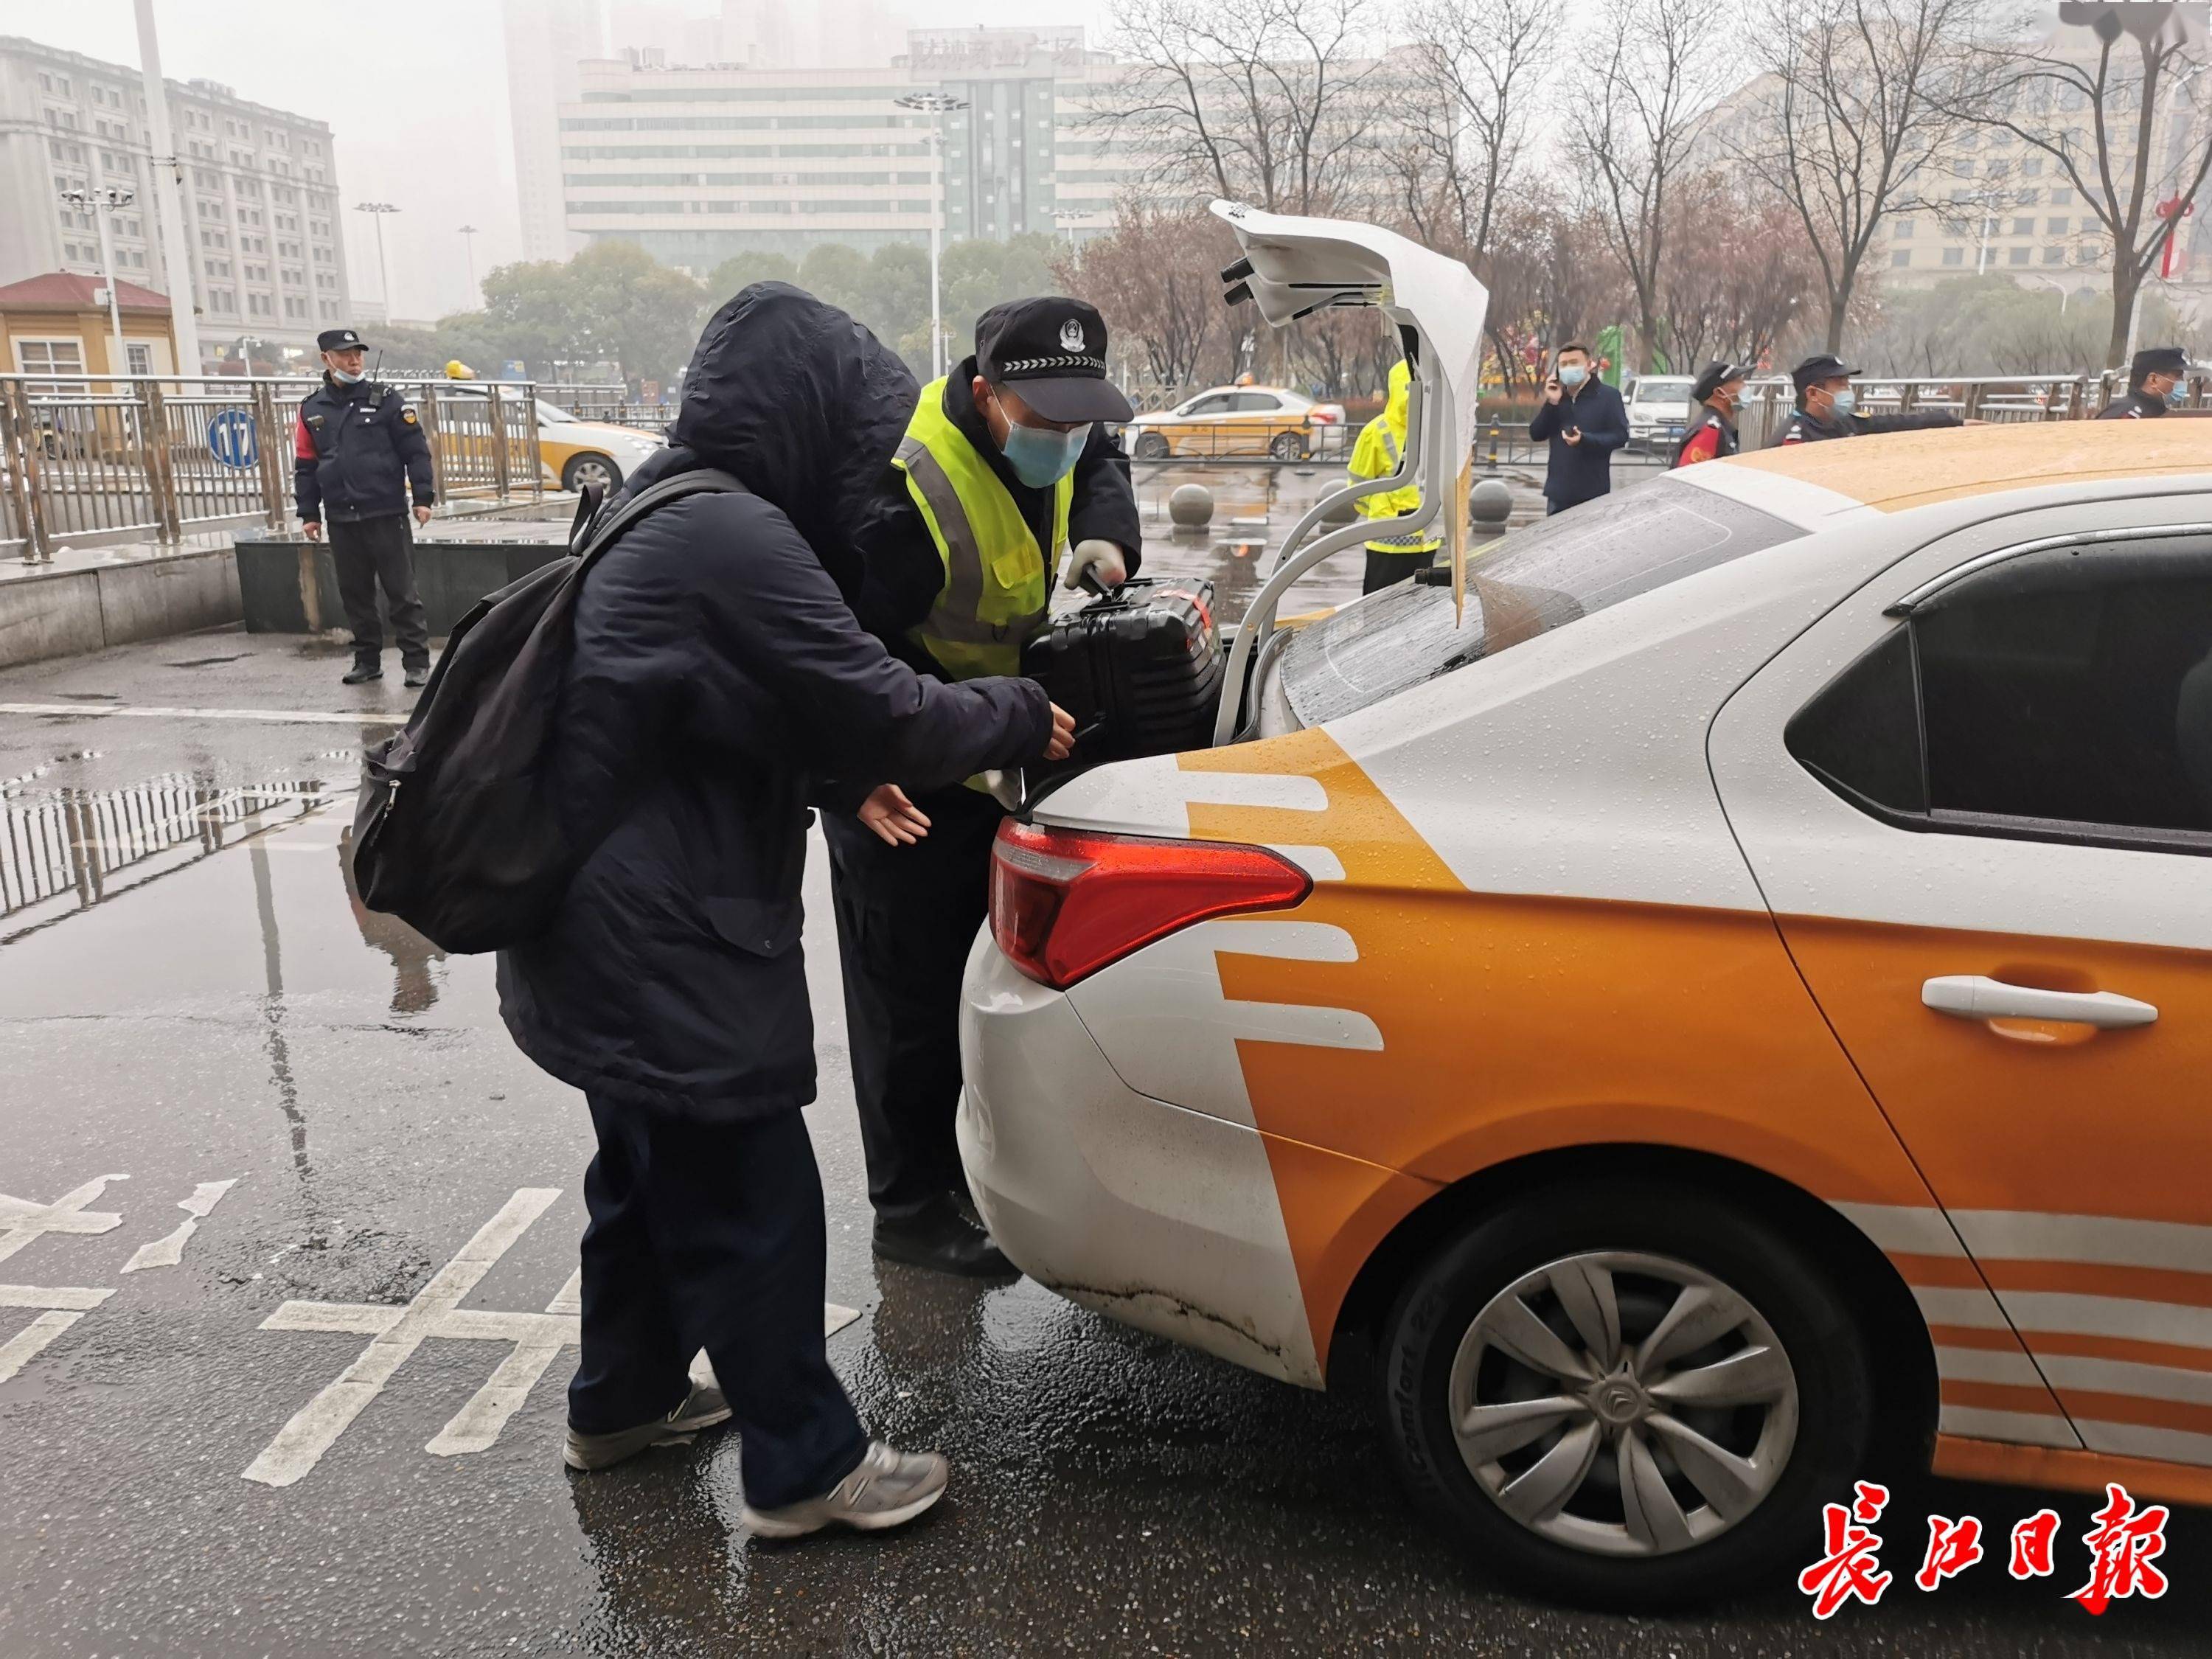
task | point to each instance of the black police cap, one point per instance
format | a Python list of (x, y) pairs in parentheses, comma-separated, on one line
[(339, 339), (1052, 351), (1815, 369), (2157, 360), (1712, 378)]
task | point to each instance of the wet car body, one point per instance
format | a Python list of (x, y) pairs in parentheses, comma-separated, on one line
[(1696, 931)]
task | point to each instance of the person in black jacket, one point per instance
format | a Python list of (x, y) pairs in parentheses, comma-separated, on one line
[(2153, 374), (356, 450), (907, 914), (1585, 421), (1828, 407), (719, 682), (1718, 390)]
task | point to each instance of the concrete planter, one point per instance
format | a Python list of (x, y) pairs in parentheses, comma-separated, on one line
[(64, 613), (288, 585)]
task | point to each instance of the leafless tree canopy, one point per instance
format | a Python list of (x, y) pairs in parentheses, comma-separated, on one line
[(2100, 101), (1857, 100), (1265, 101), (1656, 69)]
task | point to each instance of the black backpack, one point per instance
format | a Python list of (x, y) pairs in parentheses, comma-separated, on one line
[(457, 831)]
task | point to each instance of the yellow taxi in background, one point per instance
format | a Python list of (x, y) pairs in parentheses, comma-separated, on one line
[(577, 453), (1240, 420)]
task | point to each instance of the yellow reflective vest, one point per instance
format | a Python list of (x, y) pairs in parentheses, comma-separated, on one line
[(998, 581), (1375, 456)]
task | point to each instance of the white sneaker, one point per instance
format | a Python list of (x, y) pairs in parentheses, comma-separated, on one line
[(889, 1489)]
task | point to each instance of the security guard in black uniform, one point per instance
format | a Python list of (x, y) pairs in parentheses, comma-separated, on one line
[(355, 451), (1828, 407), (1718, 391), (1005, 462), (2153, 376)]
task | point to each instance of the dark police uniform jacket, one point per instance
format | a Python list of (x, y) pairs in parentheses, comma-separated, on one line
[(356, 450), (2133, 406), (1708, 440), (1804, 428)]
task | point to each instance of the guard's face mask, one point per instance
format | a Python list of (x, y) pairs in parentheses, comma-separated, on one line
[(346, 377), (1843, 404), (1041, 457)]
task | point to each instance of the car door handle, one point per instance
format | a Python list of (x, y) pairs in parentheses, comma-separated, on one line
[(1974, 996)]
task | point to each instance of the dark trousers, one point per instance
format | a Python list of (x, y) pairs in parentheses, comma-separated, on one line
[(1388, 569), (906, 919), (710, 1235), (369, 552)]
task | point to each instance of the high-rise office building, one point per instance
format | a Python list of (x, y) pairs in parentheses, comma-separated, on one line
[(695, 163), (546, 39), (267, 259)]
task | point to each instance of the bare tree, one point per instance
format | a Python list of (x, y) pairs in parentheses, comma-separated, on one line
[(1658, 67), (2121, 107), (1266, 101), (1460, 133), (1739, 273), (1857, 100), (1155, 276)]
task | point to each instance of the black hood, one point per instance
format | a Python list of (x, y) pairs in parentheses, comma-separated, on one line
[(803, 404)]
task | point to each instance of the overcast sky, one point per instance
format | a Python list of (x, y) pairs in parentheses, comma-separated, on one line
[(416, 95)]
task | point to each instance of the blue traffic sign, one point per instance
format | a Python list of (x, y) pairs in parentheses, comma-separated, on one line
[(230, 438)]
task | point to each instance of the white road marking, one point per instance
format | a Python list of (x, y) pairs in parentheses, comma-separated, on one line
[(395, 1333), (64, 1305), (169, 1251), (26, 1221), (276, 716), (301, 1444)]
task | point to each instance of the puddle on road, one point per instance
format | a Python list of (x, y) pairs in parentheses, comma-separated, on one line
[(62, 851)]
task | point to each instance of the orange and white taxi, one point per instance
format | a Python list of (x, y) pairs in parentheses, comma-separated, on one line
[(1731, 1015)]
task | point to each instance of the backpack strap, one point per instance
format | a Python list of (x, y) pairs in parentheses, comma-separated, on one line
[(609, 526)]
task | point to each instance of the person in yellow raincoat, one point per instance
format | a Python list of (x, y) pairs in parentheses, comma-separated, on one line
[(1391, 556)]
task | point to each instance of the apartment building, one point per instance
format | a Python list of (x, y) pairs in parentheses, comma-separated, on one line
[(267, 259), (698, 162)]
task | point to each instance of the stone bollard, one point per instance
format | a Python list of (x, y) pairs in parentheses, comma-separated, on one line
[(1489, 505), (1191, 506)]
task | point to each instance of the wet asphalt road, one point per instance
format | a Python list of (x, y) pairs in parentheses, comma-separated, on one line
[(192, 998)]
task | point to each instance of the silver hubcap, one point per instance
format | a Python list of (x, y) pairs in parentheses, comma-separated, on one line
[(1623, 1404), (597, 473)]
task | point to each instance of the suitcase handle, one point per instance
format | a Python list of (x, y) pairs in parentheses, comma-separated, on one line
[(1089, 581)]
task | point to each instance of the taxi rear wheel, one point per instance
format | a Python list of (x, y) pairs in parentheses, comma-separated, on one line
[(1151, 446), (1287, 446), (593, 471), (1627, 1395)]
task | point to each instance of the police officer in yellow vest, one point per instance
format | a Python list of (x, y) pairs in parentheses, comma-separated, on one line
[(1005, 465), (1391, 557)]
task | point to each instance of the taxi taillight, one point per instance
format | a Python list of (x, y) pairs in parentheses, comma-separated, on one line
[(1065, 902)]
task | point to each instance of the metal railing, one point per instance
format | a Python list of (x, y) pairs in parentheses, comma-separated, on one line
[(104, 457)]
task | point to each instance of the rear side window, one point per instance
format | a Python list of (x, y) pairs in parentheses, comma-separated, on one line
[(2066, 694), (1535, 580)]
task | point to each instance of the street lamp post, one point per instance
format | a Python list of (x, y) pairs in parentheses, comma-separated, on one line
[(469, 241), (934, 105), (376, 210), (1067, 218), (163, 173), (101, 204)]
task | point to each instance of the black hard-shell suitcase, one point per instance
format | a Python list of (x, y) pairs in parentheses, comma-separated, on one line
[(1139, 668)]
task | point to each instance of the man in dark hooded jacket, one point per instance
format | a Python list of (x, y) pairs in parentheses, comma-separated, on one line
[(717, 675)]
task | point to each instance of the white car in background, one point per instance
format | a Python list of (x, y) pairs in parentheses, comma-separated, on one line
[(1240, 420), (1658, 412)]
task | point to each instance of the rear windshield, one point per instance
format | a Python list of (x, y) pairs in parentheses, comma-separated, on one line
[(1533, 581)]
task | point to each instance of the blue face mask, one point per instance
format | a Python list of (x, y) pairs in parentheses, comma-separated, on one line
[(1041, 458), (1845, 404), (1572, 374), (345, 378)]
